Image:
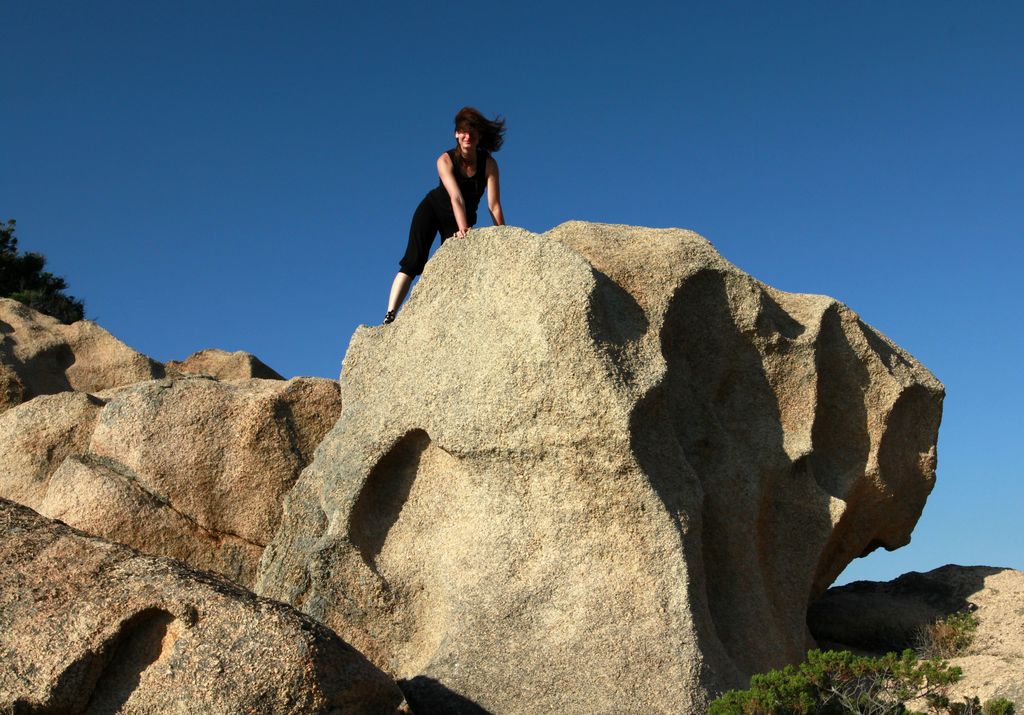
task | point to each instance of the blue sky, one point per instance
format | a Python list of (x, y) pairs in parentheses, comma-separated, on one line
[(242, 175)]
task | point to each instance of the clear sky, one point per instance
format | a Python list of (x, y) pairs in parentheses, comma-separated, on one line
[(242, 175)]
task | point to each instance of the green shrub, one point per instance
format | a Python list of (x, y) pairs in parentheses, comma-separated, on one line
[(973, 706), (839, 682), (998, 706), (947, 637)]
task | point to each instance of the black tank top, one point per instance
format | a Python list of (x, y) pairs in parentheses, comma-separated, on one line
[(472, 188)]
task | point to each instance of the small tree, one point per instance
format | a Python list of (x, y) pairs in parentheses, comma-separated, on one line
[(22, 278)]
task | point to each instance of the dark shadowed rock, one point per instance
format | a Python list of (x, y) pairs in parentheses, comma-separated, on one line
[(600, 470), (90, 627), (876, 617), (12, 391)]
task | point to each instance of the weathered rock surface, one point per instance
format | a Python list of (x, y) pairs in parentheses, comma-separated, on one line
[(44, 356), (222, 452), (223, 365), (600, 470), (37, 436), (88, 626), (12, 391), (191, 468), (877, 617), (101, 496)]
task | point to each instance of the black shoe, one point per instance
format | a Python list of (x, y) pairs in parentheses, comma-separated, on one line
[(389, 317)]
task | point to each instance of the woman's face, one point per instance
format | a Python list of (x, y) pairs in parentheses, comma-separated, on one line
[(467, 137)]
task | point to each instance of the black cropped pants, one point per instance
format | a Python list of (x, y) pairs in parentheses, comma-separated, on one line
[(426, 223)]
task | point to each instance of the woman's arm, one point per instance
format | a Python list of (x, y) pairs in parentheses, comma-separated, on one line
[(494, 192), (446, 171)]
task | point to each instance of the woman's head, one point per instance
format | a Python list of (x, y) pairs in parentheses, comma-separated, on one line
[(491, 132)]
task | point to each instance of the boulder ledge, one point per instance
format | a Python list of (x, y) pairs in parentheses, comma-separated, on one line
[(39, 355), (223, 365), (89, 626), (600, 470), (188, 467)]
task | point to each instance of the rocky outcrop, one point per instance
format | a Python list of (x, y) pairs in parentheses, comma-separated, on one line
[(87, 626), (36, 437), (223, 365), (191, 468), (877, 617), (42, 356), (222, 452), (102, 496), (609, 457)]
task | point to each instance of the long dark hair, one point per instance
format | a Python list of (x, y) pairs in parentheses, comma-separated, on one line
[(491, 131)]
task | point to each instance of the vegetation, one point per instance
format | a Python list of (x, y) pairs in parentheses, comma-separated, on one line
[(997, 706), (947, 637), (22, 278), (839, 682)]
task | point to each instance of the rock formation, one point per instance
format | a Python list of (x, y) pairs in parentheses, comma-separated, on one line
[(600, 470), (191, 468), (39, 355), (875, 618), (223, 365), (87, 626), (37, 436)]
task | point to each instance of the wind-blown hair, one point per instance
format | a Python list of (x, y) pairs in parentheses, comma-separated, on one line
[(491, 131)]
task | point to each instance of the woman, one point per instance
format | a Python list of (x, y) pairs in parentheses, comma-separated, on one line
[(450, 208)]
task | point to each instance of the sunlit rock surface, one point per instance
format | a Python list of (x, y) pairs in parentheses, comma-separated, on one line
[(89, 626), (600, 469), (238, 365), (39, 355), (192, 468)]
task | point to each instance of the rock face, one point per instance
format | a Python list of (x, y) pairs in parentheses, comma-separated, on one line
[(191, 468), (600, 470), (879, 617), (87, 626), (224, 365), (39, 355), (36, 437)]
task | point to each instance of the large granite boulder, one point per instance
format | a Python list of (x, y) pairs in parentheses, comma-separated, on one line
[(222, 452), (90, 627), (191, 468), (600, 470), (42, 356), (223, 365), (877, 617)]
